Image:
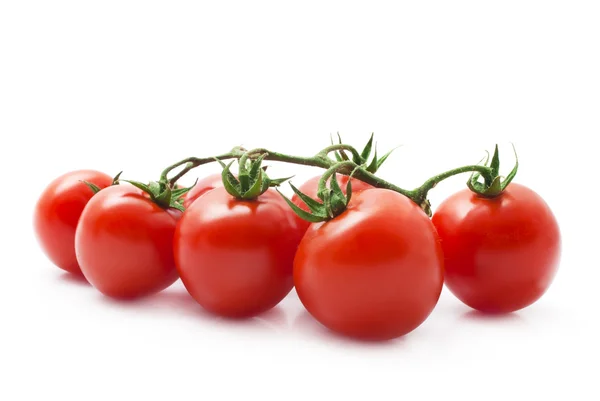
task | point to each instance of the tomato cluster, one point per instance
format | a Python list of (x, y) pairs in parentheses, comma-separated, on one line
[(373, 269)]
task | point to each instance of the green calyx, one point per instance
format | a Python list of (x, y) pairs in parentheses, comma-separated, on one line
[(362, 158), (252, 180), (95, 189), (495, 184), (162, 194), (116, 178), (333, 201)]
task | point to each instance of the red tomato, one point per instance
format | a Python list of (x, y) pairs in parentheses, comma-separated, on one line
[(124, 243), (374, 272), (311, 187), (202, 186), (57, 213), (236, 257), (501, 254)]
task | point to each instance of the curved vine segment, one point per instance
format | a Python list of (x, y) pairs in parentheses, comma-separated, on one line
[(321, 159), (493, 185)]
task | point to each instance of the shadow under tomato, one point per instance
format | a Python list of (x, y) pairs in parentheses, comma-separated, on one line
[(182, 300), (306, 324), (275, 317), (177, 301), (478, 316), (74, 279)]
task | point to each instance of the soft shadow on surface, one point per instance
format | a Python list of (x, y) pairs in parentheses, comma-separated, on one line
[(304, 323), (74, 279), (177, 301), (275, 317), (478, 316)]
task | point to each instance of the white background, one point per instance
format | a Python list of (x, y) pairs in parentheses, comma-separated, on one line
[(137, 85)]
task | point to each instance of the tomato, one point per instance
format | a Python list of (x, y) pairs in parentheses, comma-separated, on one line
[(374, 272), (235, 257), (57, 212), (311, 187), (502, 253), (202, 186), (124, 243)]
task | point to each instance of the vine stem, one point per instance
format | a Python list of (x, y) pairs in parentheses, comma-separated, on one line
[(193, 162), (419, 195), (315, 161), (322, 160), (349, 167), (340, 146)]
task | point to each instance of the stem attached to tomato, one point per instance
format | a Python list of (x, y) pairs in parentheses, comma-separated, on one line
[(493, 184), (419, 195), (193, 162), (315, 161), (349, 167)]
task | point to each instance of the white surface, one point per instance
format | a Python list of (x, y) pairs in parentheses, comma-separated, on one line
[(137, 85)]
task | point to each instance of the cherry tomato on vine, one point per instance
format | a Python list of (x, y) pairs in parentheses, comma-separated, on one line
[(235, 257), (501, 253), (374, 272), (124, 243), (203, 186), (57, 213)]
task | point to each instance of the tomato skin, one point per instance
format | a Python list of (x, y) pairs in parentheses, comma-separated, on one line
[(124, 243), (501, 254), (236, 257), (203, 186), (57, 213), (375, 272)]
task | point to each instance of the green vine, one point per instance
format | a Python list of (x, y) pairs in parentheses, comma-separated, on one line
[(252, 180)]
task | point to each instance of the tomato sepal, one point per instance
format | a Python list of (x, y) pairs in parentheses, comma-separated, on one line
[(367, 150), (337, 200), (179, 192), (362, 158), (116, 178), (252, 180), (313, 216), (95, 189), (340, 155), (333, 201), (495, 184), (162, 194)]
